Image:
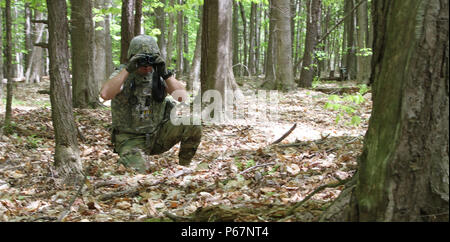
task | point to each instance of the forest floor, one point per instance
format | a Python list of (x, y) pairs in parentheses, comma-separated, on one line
[(237, 174)]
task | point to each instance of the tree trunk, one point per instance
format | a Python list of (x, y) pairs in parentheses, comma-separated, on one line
[(252, 40), (293, 11), (235, 32), (138, 17), (271, 51), (362, 57), (84, 85), (28, 35), (127, 28), (404, 167), (180, 33), (216, 63), (299, 38), (170, 35), (108, 42), (101, 35), (196, 61), (2, 66), (186, 46), (312, 34), (281, 47), (18, 56), (161, 25), (36, 63), (258, 38), (244, 34), (67, 154), (350, 49), (283, 43), (9, 66)]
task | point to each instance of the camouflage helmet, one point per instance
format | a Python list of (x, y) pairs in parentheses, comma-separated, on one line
[(143, 44)]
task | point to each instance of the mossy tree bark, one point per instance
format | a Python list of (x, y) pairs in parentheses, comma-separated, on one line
[(404, 167)]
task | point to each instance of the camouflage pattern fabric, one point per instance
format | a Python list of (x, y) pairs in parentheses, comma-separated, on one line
[(133, 148), (141, 126), (143, 44)]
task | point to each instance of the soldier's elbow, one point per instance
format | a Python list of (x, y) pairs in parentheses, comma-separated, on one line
[(105, 95)]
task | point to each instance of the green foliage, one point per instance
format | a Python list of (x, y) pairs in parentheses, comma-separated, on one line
[(347, 105), (250, 163), (365, 52), (33, 141), (316, 82)]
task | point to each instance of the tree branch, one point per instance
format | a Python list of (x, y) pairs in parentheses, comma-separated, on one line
[(340, 22), (285, 135), (42, 45), (332, 185), (39, 21)]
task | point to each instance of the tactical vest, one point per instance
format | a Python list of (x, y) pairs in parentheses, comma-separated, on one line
[(134, 110)]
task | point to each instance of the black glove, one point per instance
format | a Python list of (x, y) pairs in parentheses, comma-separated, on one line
[(132, 65), (160, 65)]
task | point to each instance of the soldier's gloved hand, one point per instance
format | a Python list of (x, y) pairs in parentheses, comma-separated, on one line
[(161, 68), (132, 65)]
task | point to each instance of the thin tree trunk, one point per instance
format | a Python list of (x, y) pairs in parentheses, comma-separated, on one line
[(67, 154), (298, 37), (350, 49), (28, 35), (186, 46), (127, 28), (235, 30), (271, 52), (180, 34), (18, 56), (138, 17), (2, 66), (9, 66), (170, 35), (258, 37), (108, 41), (196, 61), (363, 59), (244, 25), (252, 40), (161, 25), (312, 33)]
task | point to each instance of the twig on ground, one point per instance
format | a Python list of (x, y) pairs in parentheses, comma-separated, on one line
[(332, 185), (254, 167), (285, 135)]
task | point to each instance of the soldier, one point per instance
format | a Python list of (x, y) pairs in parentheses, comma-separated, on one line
[(141, 108)]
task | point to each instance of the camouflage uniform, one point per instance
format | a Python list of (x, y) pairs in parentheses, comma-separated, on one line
[(142, 125)]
